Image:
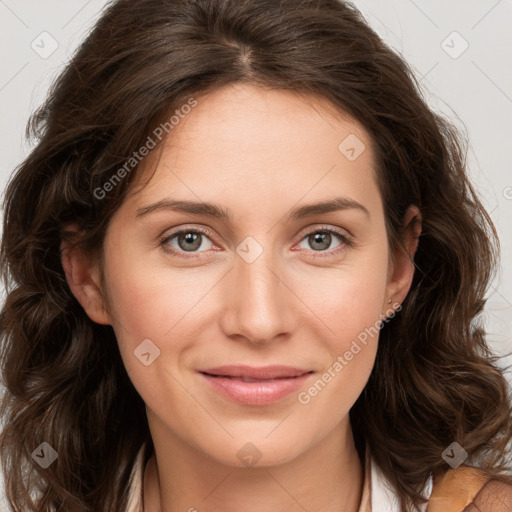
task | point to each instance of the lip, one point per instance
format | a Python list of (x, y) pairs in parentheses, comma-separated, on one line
[(268, 384)]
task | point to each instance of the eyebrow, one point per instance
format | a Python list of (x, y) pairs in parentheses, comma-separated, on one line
[(217, 212)]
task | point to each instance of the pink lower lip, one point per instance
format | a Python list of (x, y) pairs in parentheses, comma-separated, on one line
[(263, 392)]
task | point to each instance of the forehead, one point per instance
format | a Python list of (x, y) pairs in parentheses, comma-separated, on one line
[(243, 141)]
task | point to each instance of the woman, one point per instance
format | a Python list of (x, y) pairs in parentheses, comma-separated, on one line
[(243, 266)]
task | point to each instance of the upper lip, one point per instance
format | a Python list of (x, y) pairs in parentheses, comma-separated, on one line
[(252, 372)]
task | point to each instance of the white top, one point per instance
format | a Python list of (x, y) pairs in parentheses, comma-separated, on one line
[(378, 494)]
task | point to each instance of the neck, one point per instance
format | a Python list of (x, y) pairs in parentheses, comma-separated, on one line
[(327, 477)]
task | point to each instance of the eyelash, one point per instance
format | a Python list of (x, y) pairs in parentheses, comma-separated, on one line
[(345, 239)]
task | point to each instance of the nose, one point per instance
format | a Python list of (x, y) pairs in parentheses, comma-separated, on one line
[(260, 305)]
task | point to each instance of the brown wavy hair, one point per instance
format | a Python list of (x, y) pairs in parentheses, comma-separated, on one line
[(435, 379)]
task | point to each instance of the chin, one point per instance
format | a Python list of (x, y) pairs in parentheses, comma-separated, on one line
[(258, 452)]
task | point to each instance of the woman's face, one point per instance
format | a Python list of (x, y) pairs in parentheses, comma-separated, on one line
[(266, 284)]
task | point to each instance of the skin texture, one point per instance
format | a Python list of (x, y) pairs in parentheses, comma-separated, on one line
[(494, 497), (258, 153)]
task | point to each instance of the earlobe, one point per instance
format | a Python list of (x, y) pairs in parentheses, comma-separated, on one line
[(83, 277)]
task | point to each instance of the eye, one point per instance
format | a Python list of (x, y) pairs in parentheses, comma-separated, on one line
[(321, 239), (191, 240), (186, 240)]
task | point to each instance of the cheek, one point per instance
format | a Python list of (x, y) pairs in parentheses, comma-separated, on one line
[(142, 307), (356, 310), (352, 314), (145, 312), (151, 302), (346, 301), (347, 305), (355, 320)]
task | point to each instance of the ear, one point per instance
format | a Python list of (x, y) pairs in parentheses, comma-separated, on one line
[(401, 264), (83, 277)]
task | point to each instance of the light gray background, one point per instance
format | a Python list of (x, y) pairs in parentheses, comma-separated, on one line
[(471, 87)]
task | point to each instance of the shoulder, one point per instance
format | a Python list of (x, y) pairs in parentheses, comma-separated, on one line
[(495, 496)]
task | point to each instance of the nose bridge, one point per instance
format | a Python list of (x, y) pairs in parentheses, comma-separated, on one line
[(259, 304)]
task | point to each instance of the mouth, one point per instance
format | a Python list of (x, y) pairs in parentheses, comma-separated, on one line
[(255, 386)]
